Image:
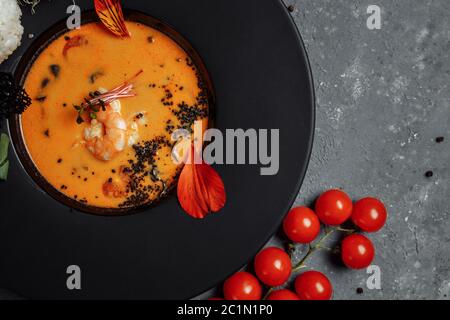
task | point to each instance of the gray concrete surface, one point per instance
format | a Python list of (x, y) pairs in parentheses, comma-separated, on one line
[(382, 99)]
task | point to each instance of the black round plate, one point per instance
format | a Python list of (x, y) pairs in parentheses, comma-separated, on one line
[(261, 76)]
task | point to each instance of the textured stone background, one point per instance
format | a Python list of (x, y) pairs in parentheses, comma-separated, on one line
[(382, 99)]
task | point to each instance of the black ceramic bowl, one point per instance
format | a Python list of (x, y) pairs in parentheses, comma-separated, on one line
[(26, 62)]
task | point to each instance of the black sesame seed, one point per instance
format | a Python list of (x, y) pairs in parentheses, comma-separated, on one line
[(67, 38), (359, 291), (59, 160), (144, 163), (440, 139), (429, 174), (47, 133)]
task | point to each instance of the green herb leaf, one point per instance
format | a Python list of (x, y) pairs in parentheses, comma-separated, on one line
[(4, 142), (4, 163), (93, 115), (4, 170)]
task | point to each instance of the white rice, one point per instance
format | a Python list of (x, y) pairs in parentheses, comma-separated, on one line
[(11, 29)]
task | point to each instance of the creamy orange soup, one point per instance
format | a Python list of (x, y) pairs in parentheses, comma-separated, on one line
[(169, 95)]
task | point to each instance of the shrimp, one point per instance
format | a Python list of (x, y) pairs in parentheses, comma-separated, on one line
[(106, 136)]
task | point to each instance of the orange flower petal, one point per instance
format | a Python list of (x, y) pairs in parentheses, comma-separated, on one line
[(187, 195), (111, 15), (214, 186), (200, 189)]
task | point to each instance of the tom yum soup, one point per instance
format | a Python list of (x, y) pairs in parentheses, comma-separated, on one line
[(104, 108)]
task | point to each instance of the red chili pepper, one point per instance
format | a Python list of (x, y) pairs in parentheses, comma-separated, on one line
[(73, 42)]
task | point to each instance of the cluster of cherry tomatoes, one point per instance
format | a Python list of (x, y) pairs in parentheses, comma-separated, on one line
[(273, 266)]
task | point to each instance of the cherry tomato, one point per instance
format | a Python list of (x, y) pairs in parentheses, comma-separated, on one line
[(283, 294), (357, 251), (301, 225), (313, 285), (369, 214), (273, 266), (334, 207), (242, 286)]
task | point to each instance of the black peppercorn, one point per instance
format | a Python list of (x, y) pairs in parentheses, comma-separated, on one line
[(55, 69), (45, 82)]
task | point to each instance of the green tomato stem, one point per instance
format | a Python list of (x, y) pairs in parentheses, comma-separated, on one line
[(269, 291), (312, 249)]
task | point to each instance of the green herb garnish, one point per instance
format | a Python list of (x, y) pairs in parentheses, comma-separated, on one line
[(99, 100), (4, 163)]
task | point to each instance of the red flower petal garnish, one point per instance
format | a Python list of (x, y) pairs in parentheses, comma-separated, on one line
[(200, 189), (73, 42), (111, 15)]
